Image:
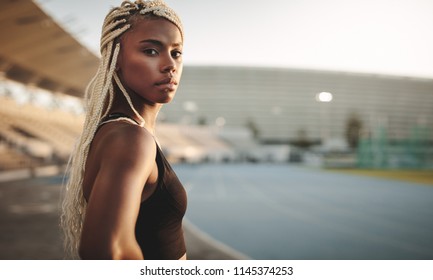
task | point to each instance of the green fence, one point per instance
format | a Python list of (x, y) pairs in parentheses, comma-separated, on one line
[(380, 152)]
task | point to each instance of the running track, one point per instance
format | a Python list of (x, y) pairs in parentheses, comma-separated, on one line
[(290, 212)]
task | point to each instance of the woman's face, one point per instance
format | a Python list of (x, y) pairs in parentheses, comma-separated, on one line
[(150, 60)]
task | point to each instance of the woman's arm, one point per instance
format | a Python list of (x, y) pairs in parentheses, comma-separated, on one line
[(126, 160)]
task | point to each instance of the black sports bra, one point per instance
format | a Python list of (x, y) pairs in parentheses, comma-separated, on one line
[(158, 229)]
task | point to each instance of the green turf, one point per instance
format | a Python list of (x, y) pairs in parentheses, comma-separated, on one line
[(416, 176)]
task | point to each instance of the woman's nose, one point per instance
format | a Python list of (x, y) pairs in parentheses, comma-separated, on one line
[(169, 65)]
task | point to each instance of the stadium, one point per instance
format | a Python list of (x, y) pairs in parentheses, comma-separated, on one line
[(219, 113), (308, 108), (223, 122)]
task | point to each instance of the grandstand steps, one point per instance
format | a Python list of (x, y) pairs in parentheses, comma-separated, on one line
[(42, 133), (12, 159), (35, 137), (191, 143)]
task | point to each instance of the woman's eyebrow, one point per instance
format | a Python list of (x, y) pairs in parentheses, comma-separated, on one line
[(152, 41), (159, 43)]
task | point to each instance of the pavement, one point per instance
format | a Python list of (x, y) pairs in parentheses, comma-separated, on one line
[(29, 221)]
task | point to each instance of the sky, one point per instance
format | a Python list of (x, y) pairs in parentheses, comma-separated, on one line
[(390, 37)]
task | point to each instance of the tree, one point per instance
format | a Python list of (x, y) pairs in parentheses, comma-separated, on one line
[(252, 126), (353, 130)]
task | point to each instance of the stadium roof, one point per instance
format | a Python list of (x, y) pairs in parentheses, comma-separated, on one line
[(34, 49)]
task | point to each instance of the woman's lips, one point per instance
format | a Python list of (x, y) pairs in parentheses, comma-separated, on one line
[(167, 84)]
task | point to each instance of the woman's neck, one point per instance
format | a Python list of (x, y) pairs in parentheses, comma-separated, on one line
[(148, 112)]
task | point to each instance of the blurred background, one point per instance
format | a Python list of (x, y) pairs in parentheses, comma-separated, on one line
[(301, 129)]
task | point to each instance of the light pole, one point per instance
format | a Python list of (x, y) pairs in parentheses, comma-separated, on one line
[(324, 97)]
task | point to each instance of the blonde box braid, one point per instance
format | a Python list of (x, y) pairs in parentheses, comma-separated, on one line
[(98, 99)]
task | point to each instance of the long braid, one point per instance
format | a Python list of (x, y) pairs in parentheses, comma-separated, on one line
[(128, 99)]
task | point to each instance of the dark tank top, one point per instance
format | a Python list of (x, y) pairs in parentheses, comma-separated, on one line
[(158, 229)]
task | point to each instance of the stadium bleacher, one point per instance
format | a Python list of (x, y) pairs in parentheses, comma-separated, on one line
[(12, 159), (191, 143), (33, 136)]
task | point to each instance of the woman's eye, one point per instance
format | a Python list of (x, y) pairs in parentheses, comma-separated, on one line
[(176, 54), (150, 52)]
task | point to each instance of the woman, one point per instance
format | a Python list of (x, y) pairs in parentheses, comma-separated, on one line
[(123, 200)]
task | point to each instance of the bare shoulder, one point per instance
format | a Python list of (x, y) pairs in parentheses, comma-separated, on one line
[(126, 142), (121, 154)]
